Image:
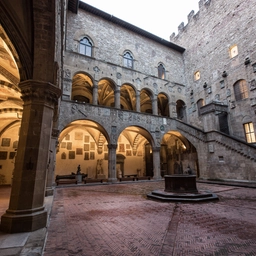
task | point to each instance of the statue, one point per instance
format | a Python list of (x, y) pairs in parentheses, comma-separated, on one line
[(99, 168), (78, 170)]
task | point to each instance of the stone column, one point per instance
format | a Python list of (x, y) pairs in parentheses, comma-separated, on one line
[(137, 101), (172, 110), (117, 98), (154, 107), (95, 95), (26, 208), (156, 163), (112, 163), (50, 180)]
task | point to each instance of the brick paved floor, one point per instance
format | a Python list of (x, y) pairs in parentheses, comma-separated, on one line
[(108, 220)]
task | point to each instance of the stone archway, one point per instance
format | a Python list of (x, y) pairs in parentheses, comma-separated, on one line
[(84, 143), (177, 154)]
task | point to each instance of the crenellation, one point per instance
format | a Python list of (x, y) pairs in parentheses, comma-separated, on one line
[(191, 15), (191, 18), (181, 27)]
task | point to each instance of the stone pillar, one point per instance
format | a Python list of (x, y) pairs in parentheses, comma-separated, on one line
[(26, 208), (112, 163), (172, 110), (156, 163), (117, 98), (50, 180), (154, 107), (137, 101), (95, 95)]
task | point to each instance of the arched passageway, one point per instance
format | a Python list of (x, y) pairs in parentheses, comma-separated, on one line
[(134, 147), (83, 143), (11, 107), (177, 154)]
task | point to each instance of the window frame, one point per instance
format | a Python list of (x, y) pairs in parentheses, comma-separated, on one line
[(241, 90), (200, 103), (161, 71), (128, 61), (232, 53), (249, 132), (87, 46), (197, 75)]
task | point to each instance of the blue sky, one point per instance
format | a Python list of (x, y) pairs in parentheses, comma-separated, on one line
[(160, 19)]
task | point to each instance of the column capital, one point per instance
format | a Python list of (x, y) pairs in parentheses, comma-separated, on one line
[(39, 90), (156, 149), (112, 146)]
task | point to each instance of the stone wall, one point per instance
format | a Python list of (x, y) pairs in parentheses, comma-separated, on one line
[(207, 37), (110, 41)]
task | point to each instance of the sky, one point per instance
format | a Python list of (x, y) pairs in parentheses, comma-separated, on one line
[(160, 19)]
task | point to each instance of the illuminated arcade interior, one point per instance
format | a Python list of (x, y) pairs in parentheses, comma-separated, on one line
[(84, 142)]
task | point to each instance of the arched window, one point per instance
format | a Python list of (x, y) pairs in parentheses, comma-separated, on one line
[(85, 47), (200, 103), (161, 71), (181, 110), (128, 60), (241, 90)]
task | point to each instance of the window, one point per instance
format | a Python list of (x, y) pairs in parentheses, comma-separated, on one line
[(249, 132), (85, 47), (161, 71), (128, 60), (200, 103), (241, 90), (197, 75), (233, 51)]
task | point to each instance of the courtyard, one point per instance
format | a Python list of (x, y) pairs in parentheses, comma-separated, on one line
[(118, 219)]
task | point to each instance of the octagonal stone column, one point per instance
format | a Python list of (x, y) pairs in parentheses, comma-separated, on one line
[(112, 163), (95, 95), (156, 163), (26, 208), (117, 98), (154, 106), (50, 179)]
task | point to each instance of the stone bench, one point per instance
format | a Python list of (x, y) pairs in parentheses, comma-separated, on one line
[(67, 179), (88, 180), (127, 179), (143, 178)]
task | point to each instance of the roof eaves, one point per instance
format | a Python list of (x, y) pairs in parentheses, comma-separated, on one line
[(124, 24), (73, 6)]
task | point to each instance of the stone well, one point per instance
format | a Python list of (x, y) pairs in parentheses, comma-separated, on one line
[(181, 188)]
